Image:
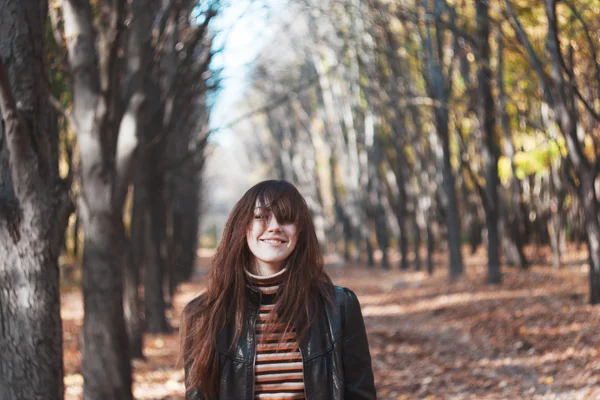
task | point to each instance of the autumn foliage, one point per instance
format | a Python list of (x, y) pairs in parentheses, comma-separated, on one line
[(533, 336)]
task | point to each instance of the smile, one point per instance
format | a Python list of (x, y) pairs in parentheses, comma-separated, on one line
[(273, 241)]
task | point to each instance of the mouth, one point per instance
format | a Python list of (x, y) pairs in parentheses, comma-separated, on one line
[(273, 241)]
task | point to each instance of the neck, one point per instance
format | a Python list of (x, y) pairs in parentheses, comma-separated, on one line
[(264, 269)]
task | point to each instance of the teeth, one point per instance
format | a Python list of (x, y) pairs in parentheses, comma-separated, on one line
[(273, 241)]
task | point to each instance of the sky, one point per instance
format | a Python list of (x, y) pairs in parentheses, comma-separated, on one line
[(244, 29)]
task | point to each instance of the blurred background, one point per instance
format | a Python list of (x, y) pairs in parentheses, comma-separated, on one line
[(448, 151)]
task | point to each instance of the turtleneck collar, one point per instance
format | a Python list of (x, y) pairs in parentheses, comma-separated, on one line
[(266, 284)]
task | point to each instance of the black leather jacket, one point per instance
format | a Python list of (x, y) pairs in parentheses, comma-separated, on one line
[(335, 354)]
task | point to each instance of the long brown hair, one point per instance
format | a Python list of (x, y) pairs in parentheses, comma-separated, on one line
[(225, 298)]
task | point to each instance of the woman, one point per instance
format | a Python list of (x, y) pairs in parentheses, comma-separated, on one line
[(271, 325)]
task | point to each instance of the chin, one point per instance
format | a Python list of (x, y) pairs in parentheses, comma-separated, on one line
[(273, 260)]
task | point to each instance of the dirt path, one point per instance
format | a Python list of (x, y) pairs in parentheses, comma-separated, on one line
[(533, 337)]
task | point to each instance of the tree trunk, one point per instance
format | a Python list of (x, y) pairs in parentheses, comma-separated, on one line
[(554, 229), (106, 363), (376, 159), (490, 148), (417, 236), (152, 191), (512, 218), (139, 55), (154, 270), (34, 208), (170, 249), (340, 213), (75, 237), (107, 138), (382, 232), (565, 108), (452, 220), (439, 88), (134, 321), (186, 214), (401, 210), (399, 136), (131, 301), (31, 365), (370, 258), (592, 227), (430, 250)]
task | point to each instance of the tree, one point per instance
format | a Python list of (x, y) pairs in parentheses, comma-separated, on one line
[(34, 208), (175, 91), (106, 128), (562, 95), (439, 78), (488, 130)]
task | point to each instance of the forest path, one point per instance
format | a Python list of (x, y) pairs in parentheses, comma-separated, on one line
[(532, 337)]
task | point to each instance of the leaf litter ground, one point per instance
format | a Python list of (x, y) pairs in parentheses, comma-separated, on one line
[(532, 337)]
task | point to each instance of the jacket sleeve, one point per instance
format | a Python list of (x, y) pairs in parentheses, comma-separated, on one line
[(358, 373)]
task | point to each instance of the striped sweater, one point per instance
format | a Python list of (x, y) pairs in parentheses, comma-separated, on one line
[(278, 365)]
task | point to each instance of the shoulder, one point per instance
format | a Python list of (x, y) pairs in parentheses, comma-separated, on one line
[(195, 306), (348, 298), (343, 294), (345, 312), (344, 299)]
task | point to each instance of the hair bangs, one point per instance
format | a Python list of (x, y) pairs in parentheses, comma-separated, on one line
[(283, 200)]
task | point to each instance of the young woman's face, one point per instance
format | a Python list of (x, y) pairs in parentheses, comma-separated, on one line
[(270, 241)]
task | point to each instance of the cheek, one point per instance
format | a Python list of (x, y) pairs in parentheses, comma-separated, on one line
[(254, 230), (292, 233)]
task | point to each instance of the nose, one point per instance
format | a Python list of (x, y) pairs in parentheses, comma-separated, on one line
[(273, 224)]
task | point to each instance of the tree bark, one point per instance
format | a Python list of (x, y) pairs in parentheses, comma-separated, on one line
[(512, 217), (490, 147), (106, 363), (566, 114), (138, 63), (430, 250), (152, 191), (439, 89), (154, 270), (131, 300), (107, 139), (34, 208)]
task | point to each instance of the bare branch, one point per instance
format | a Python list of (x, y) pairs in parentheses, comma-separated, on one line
[(183, 98), (587, 105), (160, 22), (111, 44), (533, 58), (63, 111), (198, 34), (466, 166), (197, 148), (589, 39)]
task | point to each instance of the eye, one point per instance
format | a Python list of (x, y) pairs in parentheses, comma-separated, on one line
[(260, 216)]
